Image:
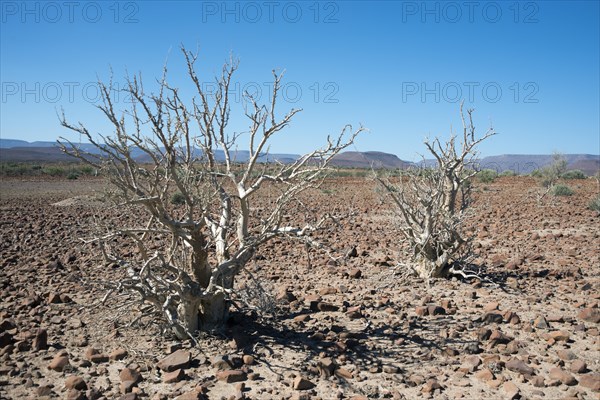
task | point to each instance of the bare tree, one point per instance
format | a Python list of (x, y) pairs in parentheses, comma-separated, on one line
[(432, 203), (188, 255)]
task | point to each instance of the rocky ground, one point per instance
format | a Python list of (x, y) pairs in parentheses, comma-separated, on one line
[(347, 329)]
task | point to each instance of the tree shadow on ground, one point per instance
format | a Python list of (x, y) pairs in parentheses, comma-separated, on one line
[(379, 347)]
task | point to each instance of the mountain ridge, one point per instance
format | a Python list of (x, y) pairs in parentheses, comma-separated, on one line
[(42, 151)]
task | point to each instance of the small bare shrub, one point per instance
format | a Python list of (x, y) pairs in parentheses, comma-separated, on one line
[(432, 204)]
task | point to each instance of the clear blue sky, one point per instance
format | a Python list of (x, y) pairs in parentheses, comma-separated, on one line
[(398, 67)]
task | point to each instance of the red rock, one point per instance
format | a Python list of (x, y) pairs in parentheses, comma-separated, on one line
[(64, 298), (302, 384), (344, 373), (176, 360), (59, 362), (44, 390), (590, 381), (578, 366), (436, 310), (422, 311), (98, 358), (559, 336), (118, 354), (40, 342), (516, 365), (129, 374), (232, 376), (54, 298), (174, 376), (484, 375), (563, 376), (541, 323), (74, 394), (511, 390), (326, 367), (590, 314), (75, 382), (430, 386), (355, 273), (511, 317)]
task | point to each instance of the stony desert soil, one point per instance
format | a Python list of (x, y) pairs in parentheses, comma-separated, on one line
[(347, 329)]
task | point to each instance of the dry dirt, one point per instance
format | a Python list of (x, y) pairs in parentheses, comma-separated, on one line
[(347, 329)]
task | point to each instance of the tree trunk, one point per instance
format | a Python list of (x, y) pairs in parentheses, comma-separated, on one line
[(187, 317), (214, 312)]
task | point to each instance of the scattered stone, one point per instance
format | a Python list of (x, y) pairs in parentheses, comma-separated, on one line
[(511, 318), (422, 311), (436, 310), (92, 354), (484, 375), (285, 295), (538, 381), (473, 362), (578, 366), (590, 314), (563, 376), (511, 390), (221, 363), (75, 382), (356, 273), (344, 373), (327, 307), (118, 354), (326, 367), (492, 318), (130, 374), (491, 306), (484, 334), (516, 365), (541, 323), (566, 355), (390, 369), (560, 336), (301, 383), (232, 376), (590, 381), (431, 385), (54, 298), (40, 342), (59, 362), (248, 359), (498, 337), (74, 394), (173, 376), (44, 390), (178, 359)]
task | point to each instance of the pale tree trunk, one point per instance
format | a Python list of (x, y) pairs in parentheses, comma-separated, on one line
[(214, 312), (187, 315)]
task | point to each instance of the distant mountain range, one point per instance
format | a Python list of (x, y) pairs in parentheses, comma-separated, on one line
[(20, 150)]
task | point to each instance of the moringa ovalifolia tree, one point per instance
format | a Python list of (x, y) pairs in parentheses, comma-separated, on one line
[(188, 255), (432, 203)]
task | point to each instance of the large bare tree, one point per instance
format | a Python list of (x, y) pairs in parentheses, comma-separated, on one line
[(432, 203), (189, 254)]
